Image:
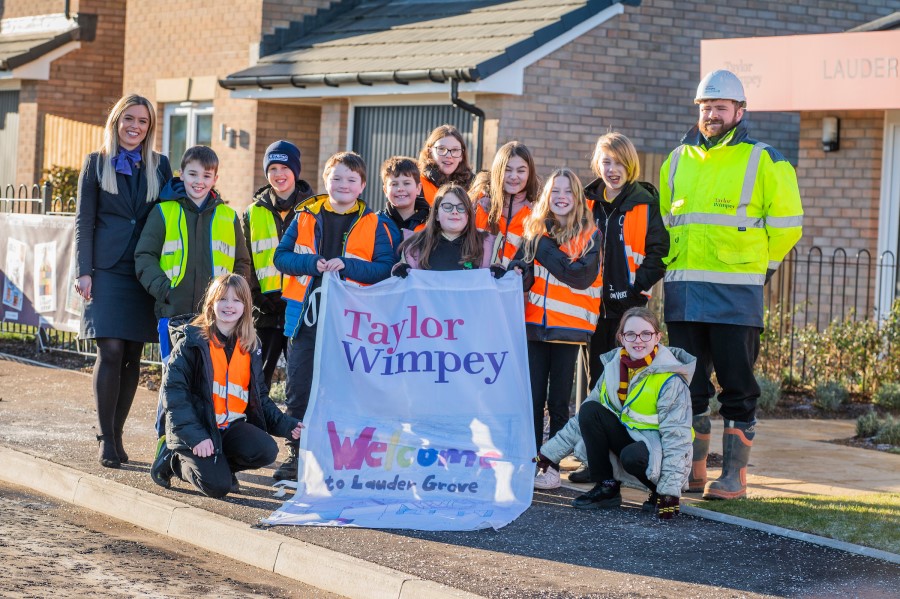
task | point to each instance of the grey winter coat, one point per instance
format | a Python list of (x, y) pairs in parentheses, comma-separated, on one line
[(670, 447)]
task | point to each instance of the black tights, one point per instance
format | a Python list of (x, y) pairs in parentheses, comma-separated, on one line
[(116, 375)]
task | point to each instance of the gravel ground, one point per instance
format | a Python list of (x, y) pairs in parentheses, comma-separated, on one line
[(552, 550), (53, 549)]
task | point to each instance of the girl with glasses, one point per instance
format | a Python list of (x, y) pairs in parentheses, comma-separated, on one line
[(450, 240), (444, 159), (562, 248), (641, 413)]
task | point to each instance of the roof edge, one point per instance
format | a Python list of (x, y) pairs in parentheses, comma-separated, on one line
[(338, 79), (885, 23), (85, 29)]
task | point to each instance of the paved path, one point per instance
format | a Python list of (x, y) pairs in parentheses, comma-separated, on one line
[(551, 551)]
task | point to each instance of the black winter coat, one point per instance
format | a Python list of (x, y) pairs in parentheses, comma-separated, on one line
[(618, 293), (187, 395)]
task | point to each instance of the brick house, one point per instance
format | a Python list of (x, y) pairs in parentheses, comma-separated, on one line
[(60, 71)]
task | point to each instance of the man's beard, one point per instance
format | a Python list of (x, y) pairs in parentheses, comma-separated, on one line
[(723, 128)]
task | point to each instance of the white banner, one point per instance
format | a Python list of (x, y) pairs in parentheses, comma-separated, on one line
[(420, 414)]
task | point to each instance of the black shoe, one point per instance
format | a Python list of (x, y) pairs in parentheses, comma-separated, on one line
[(235, 484), (108, 456), (581, 475), (603, 495), (288, 468), (650, 505), (161, 471), (120, 448)]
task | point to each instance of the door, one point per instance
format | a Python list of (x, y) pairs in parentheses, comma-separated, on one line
[(9, 137)]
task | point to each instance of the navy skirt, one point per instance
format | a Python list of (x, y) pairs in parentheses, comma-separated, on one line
[(120, 308)]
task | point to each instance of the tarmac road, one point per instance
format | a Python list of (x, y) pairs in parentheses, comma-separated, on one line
[(552, 550), (52, 549)]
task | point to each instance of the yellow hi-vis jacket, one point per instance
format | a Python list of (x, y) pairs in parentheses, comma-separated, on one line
[(733, 212), (263, 241), (174, 257)]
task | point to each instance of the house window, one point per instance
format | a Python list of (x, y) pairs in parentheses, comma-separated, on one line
[(186, 124)]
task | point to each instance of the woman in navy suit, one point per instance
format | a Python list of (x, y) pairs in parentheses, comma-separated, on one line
[(117, 189)]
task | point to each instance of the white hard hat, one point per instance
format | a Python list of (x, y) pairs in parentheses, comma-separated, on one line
[(720, 85)]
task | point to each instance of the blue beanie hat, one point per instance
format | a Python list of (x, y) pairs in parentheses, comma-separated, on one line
[(283, 152)]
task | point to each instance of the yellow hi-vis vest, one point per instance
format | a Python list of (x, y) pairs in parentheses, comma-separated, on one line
[(174, 256), (263, 241), (639, 409)]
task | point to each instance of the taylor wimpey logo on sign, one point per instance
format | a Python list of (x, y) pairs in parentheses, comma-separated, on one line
[(375, 347)]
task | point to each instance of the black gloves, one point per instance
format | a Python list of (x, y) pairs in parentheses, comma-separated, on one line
[(497, 270), (520, 264), (401, 269), (544, 462)]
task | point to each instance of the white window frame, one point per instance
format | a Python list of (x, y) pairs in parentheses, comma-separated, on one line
[(190, 109)]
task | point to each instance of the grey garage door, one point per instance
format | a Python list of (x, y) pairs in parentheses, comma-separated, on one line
[(9, 136), (380, 132)]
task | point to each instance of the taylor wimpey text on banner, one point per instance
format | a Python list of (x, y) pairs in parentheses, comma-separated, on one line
[(420, 413)]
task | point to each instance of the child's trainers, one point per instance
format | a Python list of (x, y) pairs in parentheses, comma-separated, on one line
[(548, 479)]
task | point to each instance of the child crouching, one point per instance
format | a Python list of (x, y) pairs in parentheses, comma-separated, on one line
[(216, 401)]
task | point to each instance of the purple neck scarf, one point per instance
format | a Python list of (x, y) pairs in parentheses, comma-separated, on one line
[(125, 160)]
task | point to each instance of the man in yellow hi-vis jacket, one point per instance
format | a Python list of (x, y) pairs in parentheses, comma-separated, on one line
[(732, 208)]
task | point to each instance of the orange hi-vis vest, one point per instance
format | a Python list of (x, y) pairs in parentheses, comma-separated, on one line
[(429, 189), (634, 237), (360, 244), (231, 384), (552, 303), (510, 237)]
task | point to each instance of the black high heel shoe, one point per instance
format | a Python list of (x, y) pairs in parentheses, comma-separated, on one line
[(120, 448), (108, 456)]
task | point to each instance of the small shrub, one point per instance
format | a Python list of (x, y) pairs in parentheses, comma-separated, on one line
[(889, 432), (277, 392), (867, 425), (831, 395), (888, 396), (64, 180), (770, 393)]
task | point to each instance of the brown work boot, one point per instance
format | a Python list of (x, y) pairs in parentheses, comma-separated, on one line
[(702, 428), (736, 444)]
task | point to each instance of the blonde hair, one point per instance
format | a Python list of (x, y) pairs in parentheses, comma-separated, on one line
[(575, 236), (498, 172), (106, 172), (619, 147), (206, 320)]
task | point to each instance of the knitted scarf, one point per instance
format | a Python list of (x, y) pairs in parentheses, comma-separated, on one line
[(626, 364)]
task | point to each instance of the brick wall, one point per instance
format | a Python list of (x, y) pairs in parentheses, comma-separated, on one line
[(333, 135), (638, 73), (85, 84), (10, 9), (297, 124), (841, 190)]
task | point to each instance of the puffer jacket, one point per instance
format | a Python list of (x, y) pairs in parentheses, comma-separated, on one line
[(670, 446), (187, 394)]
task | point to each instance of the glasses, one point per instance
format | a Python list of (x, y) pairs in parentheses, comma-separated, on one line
[(443, 151), (632, 337), (449, 208)]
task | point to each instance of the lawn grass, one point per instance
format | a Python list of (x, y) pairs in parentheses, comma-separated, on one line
[(871, 520)]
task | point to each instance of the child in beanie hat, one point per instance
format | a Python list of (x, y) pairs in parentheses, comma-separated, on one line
[(283, 152)]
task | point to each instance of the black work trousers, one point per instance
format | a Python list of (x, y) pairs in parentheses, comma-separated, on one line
[(603, 432), (553, 363), (731, 350), (300, 363), (244, 447), (274, 345)]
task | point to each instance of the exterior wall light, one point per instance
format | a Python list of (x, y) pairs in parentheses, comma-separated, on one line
[(831, 133)]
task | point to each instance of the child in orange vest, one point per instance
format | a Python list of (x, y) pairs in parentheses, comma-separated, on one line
[(444, 159), (563, 302), (513, 188), (218, 426)]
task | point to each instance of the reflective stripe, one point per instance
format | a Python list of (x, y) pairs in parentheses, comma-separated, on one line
[(269, 271), (784, 222), (236, 390), (750, 178), (220, 390), (706, 276), (673, 166), (221, 246), (562, 307), (354, 256), (725, 220), (173, 272), (774, 264), (302, 249), (218, 270), (264, 244), (651, 419), (170, 247)]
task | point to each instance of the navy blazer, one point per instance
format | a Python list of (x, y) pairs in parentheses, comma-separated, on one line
[(106, 223)]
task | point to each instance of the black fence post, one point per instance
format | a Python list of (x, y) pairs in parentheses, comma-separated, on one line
[(47, 197)]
